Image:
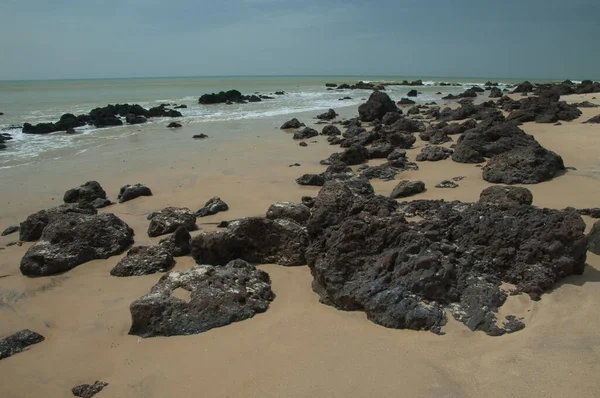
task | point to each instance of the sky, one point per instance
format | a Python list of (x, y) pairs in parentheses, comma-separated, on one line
[(62, 39)]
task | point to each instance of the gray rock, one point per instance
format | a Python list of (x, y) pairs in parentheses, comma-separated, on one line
[(292, 124), (169, 219), (10, 230), (130, 192), (528, 165), (87, 192), (289, 211), (88, 390), (434, 154), (305, 133), (18, 342), (144, 260), (505, 196), (178, 244), (407, 188), (31, 229)]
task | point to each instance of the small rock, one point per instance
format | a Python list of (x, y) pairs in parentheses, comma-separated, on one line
[(169, 219), (174, 125), (407, 188), (18, 342), (130, 192), (447, 184), (303, 144), (199, 136), (87, 390), (292, 124), (10, 230), (213, 206), (223, 224)]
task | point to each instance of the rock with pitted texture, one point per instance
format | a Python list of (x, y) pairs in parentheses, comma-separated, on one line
[(178, 244), (434, 154), (376, 107), (18, 342), (130, 192), (91, 192), (292, 124), (505, 196), (213, 206), (169, 219), (289, 211), (525, 165), (88, 390), (144, 260), (31, 229)]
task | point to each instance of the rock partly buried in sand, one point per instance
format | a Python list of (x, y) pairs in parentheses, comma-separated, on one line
[(213, 206), (292, 124), (178, 244), (434, 154), (305, 133), (315, 180), (595, 119), (329, 115), (257, 240), (527, 165), (200, 136), (18, 342), (289, 211), (91, 192), (88, 390), (407, 188), (376, 107), (144, 260), (331, 130), (10, 230), (447, 184), (365, 256), (130, 192), (505, 196), (594, 239), (171, 218), (31, 229), (73, 239), (200, 299)]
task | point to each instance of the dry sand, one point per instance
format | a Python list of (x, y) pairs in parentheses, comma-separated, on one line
[(299, 347)]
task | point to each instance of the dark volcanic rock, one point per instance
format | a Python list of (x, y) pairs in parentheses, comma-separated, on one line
[(331, 130), (380, 150), (406, 101), (365, 256), (305, 133), (407, 188), (216, 296), (135, 119), (412, 93), (447, 184), (391, 117), (308, 201), (311, 179), (130, 192), (31, 229), (18, 342), (213, 206), (73, 239), (289, 211), (292, 124), (524, 87), (329, 115), (85, 193), (199, 136), (524, 165), (594, 239), (505, 196), (174, 125), (10, 230), (178, 244), (257, 240), (354, 155), (88, 390), (495, 93), (376, 107), (595, 119), (143, 260), (303, 144), (434, 153), (169, 219)]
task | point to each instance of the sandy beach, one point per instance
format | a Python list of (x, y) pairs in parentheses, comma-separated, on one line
[(299, 347)]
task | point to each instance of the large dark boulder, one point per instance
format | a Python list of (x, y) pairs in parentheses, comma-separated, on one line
[(18, 342), (354, 155), (135, 119), (505, 196), (169, 219), (404, 274), (74, 239), (298, 213), (376, 107), (316, 180), (524, 87), (434, 154), (412, 93), (91, 192), (523, 165), (495, 93), (178, 244), (31, 229), (130, 192), (257, 240), (221, 97), (292, 124), (214, 297), (391, 117), (144, 260), (213, 206)]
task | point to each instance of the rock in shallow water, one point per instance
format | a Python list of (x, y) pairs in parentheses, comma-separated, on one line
[(202, 298), (74, 239), (169, 219), (18, 342), (144, 260), (365, 256)]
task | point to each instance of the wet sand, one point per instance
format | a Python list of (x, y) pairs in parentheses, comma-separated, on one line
[(299, 347)]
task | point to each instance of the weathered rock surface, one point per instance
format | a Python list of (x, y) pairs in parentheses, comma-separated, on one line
[(447, 184), (365, 256), (316, 180), (524, 165), (91, 192), (144, 260), (18, 342), (88, 390), (331, 130), (434, 154), (215, 297), (130, 192), (257, 240), (376, 107), (31, 229), (506, 196), (407, 188), (169, 219), (178, 244), (305, 133), (329, 115), (298, 213), (292, 124), (213, 206), (73, 239)]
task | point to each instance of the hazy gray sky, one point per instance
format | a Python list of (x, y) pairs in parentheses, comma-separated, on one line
[(42, 39)]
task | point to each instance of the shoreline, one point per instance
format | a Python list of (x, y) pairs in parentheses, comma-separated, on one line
[(299, 347)]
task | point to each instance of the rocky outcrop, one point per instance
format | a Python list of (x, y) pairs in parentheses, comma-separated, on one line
[(523, 165), (130, 192), (178, 244), (412, 93), (73, 239), (434, 154), (18, 342), (298, 213), (200, 299), (88, 390), (376, 107), (407, 188), (228, 97), (213, 206), (31, 229), (292, 124), (89, 193), (257, 240), (144, 260), (169, 219), (365, 256), (524, 87)]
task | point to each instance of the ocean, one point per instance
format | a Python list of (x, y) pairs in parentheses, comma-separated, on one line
[(45, 101)]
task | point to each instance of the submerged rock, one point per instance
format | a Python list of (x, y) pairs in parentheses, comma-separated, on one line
[(257, 240), (18, 342), (213, 206), (144, 260), (130, 192), (88, 390), (169, 219), (214, 297), (73, 239)]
